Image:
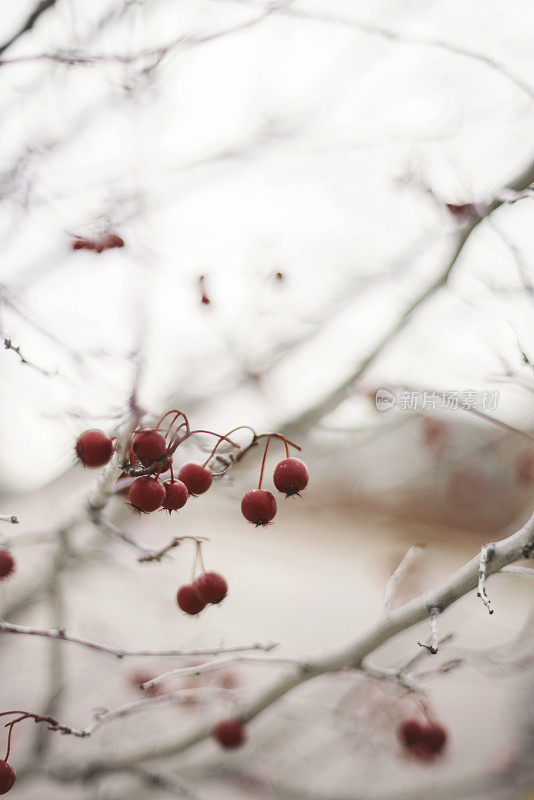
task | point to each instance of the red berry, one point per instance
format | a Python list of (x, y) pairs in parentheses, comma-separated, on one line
[(290, 476), (410, 732), (94, 448), (81, 243), (434, 737), (197, 478), (111, 240), (189, 600), (424, 742), (176, 495), (211, 587), (7, 564), (7, 777), (230, 733), (258, 506), (146, 494), (148, 446), (421, 752)]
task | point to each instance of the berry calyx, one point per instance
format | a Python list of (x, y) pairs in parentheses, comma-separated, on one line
[(149, 446), (258, 506), (7, 564), (146, 495), (211, 587), (94, 448), (424, 742), (176, 495), (230, 733), (290, 476), (189, 600), (8, 777), (197, 478)]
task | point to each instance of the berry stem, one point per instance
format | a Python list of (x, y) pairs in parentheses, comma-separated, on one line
[(263, 460), (10, 726), (240, 427), (177, 414), (197, 560)]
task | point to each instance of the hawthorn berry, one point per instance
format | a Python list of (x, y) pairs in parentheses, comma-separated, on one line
[(149, 446), (211, 587), (94, 448), (425, 742), (230, 733), (176, 495), (111, 240), (8, 777), (197, 478), (7, 564), (189, 600), (80, 243), (410, 732), (258, 506), (290, 476), (146, 494)]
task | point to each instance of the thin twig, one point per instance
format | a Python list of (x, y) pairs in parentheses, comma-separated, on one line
[(212, 666), (349, 655), (398, 575), (9, 346), (432, 647), (119, 652), (486, 554)]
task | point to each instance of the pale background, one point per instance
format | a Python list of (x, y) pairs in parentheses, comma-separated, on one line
[(303, 144)]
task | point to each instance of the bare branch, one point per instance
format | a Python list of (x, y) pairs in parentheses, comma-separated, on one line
[(486, 554), (28, 24), (413, 39), (432, 647), (9, 346), (398, 575), (119, 652), (9, 518), (212, 666), (349, 655), (316, 412)]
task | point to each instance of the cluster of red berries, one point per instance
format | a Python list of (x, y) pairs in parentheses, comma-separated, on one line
[(290, 477), (423, 741), (106, 242), (210, 588), (7, 564), (151, 455)]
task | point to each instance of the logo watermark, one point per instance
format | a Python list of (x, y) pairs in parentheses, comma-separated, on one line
[(430, 400)]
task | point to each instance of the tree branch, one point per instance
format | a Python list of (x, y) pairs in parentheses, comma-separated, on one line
[(119, 652), (316, 412), (30, 21), (347, 656)]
